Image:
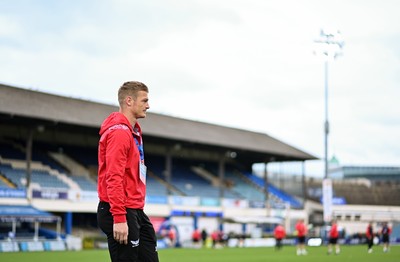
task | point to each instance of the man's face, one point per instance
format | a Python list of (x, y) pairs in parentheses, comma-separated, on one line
[(140, 105)]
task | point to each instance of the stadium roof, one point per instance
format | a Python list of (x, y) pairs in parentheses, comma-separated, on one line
[(60, 110)]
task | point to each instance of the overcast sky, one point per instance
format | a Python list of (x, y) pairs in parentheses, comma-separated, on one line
[(244, 64)]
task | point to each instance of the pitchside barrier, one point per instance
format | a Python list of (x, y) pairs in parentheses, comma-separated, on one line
[(70, 243)]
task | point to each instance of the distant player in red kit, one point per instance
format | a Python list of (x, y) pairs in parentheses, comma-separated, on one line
[(301, 237), (279, 234), (172, 237), (333, 238), (196, 237)]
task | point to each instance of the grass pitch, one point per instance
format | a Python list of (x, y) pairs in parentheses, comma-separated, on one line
[(287, 254)]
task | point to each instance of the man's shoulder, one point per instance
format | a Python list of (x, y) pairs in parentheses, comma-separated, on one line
[(119, 132), (118, 127)]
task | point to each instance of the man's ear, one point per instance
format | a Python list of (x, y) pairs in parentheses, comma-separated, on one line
[(129, 100)]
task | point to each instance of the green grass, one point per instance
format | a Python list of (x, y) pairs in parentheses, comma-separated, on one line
[(288, 254)]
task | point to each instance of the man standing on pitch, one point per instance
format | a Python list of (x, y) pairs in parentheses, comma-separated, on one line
[(122, 179), (301, 230), (279, 234), (370, 237), (334, 238), (385, 232)]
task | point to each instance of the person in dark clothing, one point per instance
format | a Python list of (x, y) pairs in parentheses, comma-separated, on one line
[(385, 233), (370, 237), (204, 236)]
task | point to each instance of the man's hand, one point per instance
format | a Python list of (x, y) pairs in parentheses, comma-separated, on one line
[(121, 232)]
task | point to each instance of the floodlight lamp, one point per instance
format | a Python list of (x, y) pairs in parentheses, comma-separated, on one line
[(329, 31), (329, 44)]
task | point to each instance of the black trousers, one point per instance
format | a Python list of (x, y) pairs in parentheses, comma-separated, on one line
[(370, 242), (142, 242), (278, 243)]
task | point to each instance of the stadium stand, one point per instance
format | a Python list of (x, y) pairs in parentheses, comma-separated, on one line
[(8, 151), (85, 183), (243, 188), (16, 177), (278, 194), (4, 182), (155, 186), (41, 176), (186, 179)]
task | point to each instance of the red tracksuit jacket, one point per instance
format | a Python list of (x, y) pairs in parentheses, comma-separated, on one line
[(334, 232), (119, 180)]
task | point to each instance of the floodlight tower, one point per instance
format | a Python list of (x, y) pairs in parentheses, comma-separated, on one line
[(329, 45)]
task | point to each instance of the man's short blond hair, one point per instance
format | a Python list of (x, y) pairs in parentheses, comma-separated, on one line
[(130, 88)]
